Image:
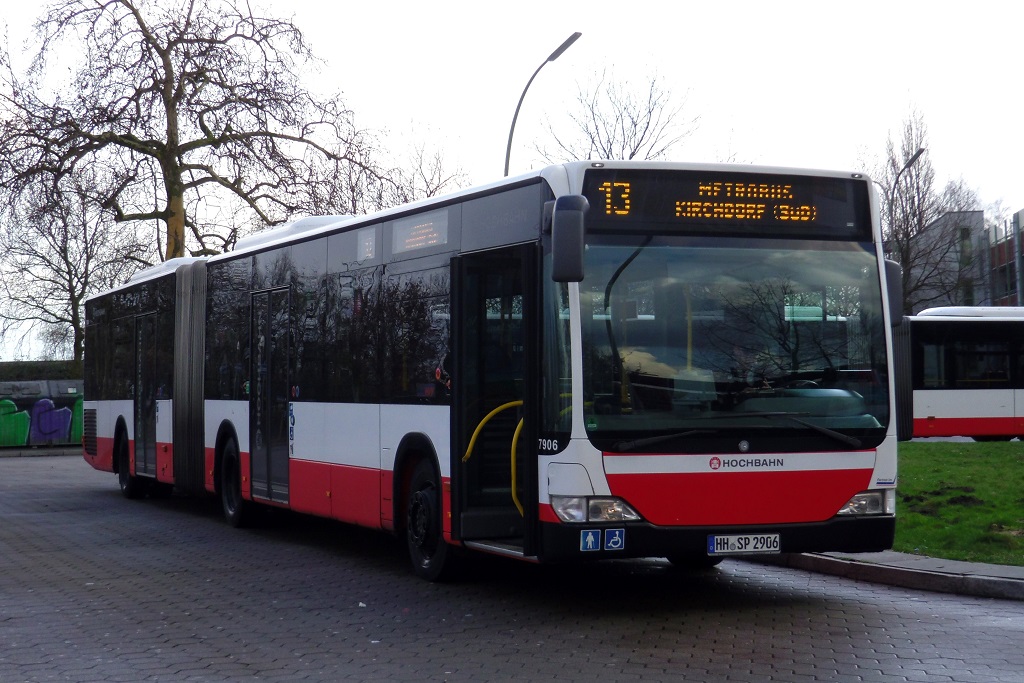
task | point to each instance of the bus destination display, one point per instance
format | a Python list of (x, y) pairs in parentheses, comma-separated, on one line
[(787, 204)]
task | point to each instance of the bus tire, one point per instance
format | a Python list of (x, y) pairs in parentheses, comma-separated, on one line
[(236, 508), (432, 558), (131, 487)]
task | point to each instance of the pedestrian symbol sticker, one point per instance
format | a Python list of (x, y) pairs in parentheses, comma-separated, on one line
[(614, 539), (590, 540)]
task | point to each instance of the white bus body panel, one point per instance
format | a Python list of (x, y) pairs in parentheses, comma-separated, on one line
[(218, 412), (164, 421), (107, 413), (336, 434), (434, 422), (973, 403)]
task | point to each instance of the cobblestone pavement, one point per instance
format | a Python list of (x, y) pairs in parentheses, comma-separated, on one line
[(97, 588)]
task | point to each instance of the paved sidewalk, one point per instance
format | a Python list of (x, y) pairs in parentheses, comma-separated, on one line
[(889, 567)]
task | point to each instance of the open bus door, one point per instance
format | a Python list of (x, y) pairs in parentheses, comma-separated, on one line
[(495, 380)]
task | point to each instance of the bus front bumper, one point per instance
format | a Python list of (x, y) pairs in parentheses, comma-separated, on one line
[(563, 542)]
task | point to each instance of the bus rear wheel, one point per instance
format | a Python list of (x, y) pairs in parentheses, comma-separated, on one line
[(236, 508), (131, 486), (432, 558)]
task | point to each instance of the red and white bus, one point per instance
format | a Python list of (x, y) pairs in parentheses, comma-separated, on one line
[(595, 360), (966, 370)]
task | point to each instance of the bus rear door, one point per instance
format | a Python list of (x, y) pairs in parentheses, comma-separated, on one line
[(269, 395), (145, 394)]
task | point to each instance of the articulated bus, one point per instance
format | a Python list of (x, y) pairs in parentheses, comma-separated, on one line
[(595, 360), (965, 369)]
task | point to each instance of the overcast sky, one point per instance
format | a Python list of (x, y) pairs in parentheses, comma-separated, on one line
[(803, 84), (806, 84)]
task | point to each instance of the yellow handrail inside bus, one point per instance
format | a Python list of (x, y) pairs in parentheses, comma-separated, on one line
[(515, 442), (487, 418), (515, 492)]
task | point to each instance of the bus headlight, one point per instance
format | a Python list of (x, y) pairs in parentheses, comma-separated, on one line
[(577, 509), (871, 503), (570, 508)]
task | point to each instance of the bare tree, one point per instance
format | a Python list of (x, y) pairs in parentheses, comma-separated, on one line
[(928, 231), (615, 120), (425, 174), (192, 104), (338, 187), (58, 249)]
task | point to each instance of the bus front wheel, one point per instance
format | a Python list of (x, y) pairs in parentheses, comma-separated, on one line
[(432, 558)]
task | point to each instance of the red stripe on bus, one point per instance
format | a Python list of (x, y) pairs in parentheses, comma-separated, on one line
[(209, 460), (342, 492), (165, 462), (245, 458), (546, 513), (726, 498), (104, 458), (968, 426)]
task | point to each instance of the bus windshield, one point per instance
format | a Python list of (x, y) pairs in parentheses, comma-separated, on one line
[(686, 339)]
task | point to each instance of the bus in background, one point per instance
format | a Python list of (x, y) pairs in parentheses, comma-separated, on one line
[(595, 360), (965, 367)]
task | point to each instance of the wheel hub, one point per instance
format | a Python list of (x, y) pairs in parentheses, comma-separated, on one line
[(421, 511)]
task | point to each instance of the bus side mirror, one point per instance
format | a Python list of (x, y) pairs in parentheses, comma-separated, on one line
[(567, 238), (894, 290)]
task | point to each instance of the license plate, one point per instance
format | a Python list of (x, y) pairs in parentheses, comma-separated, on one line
[(738, 544)]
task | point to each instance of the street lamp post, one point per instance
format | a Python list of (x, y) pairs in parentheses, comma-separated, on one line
[(892, 209), (552, 57), (895, 183)]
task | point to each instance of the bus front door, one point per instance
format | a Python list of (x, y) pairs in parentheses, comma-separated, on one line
[(494, 325), (269, 395)]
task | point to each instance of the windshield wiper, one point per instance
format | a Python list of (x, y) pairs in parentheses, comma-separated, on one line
[(651, 440), (795, 417)]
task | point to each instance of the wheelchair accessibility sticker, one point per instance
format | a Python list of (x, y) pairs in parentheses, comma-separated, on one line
[(614, 539), (591, 540)]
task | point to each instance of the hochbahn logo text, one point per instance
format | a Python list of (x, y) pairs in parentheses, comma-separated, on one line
[(717, 463)]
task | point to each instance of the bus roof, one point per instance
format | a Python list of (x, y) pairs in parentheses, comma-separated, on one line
[(987, 312), (560, 177)]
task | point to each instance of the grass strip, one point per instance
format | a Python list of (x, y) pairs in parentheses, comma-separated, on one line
[(961, 501)]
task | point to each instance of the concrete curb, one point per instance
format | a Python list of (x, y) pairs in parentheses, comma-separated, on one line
[(904, 577), (38, 451)]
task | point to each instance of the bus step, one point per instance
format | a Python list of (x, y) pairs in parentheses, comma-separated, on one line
[(502, 548)]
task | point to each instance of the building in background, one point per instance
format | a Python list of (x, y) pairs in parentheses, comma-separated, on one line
[(1005, 251), (959, 261), (950, 263)]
